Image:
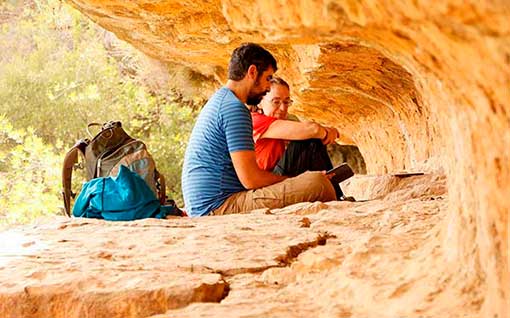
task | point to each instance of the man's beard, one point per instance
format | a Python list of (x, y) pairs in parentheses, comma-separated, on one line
[(254, 99)]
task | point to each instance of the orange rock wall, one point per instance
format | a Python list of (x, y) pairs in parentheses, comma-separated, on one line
[(416, 85)]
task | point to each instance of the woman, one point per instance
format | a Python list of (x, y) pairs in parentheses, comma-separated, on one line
[(272, 132)]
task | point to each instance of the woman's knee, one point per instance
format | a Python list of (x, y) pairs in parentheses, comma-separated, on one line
[(307, 143)]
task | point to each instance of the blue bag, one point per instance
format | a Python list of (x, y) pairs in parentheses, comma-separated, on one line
[(123, 197)]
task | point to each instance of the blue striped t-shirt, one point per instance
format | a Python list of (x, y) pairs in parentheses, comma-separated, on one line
[(208, 176)]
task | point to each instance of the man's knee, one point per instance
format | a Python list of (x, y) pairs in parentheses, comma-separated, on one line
[(318, 185), (235, 204)]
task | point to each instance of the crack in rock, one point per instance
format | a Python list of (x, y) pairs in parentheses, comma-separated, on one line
[(226, 290), (291, 254), (294, 251)]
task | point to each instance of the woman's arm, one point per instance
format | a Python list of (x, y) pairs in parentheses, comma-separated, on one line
[(293, 130)]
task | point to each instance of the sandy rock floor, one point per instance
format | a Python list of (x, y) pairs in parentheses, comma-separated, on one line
[(378, 258)]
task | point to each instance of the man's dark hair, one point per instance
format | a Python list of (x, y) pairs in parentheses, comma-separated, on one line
[(249, 54)]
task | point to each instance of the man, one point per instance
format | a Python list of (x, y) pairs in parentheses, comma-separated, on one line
[(220, 173)]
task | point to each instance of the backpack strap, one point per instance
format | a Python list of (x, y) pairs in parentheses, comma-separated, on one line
[(70, 160), (160, 180)]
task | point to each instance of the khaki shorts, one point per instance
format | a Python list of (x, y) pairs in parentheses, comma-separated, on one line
[(307, 187)]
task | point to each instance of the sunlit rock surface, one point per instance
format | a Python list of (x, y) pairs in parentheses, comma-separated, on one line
[(417, 86), (379, 258)]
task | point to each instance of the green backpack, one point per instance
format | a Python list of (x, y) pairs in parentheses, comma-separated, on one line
[(103, 156)]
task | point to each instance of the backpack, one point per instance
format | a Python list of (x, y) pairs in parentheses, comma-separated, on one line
[(103, 156)]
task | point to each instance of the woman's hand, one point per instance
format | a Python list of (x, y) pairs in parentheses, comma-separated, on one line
[(331, 135)]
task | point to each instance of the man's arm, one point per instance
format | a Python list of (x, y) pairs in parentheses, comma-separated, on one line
[(249, 173)]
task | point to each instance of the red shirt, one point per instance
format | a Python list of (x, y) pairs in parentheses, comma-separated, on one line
[(267, 151)]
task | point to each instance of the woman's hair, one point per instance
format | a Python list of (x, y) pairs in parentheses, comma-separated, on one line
[(274, 81), (279, 81)]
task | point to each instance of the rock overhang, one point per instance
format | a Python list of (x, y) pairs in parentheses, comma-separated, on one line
[(417, 86)]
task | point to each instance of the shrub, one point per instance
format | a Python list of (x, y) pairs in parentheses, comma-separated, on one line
[(55, 77), (30, 175)]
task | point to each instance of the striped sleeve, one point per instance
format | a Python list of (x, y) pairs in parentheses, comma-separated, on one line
[(238, 128)]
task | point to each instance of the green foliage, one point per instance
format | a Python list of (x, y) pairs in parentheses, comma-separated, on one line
[(57, 69), (166, 131), (30, 175), (56, 76)]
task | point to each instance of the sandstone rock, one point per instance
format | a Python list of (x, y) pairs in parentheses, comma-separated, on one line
[(380, 258), (74, 268), (412, 83), (383, 187)]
